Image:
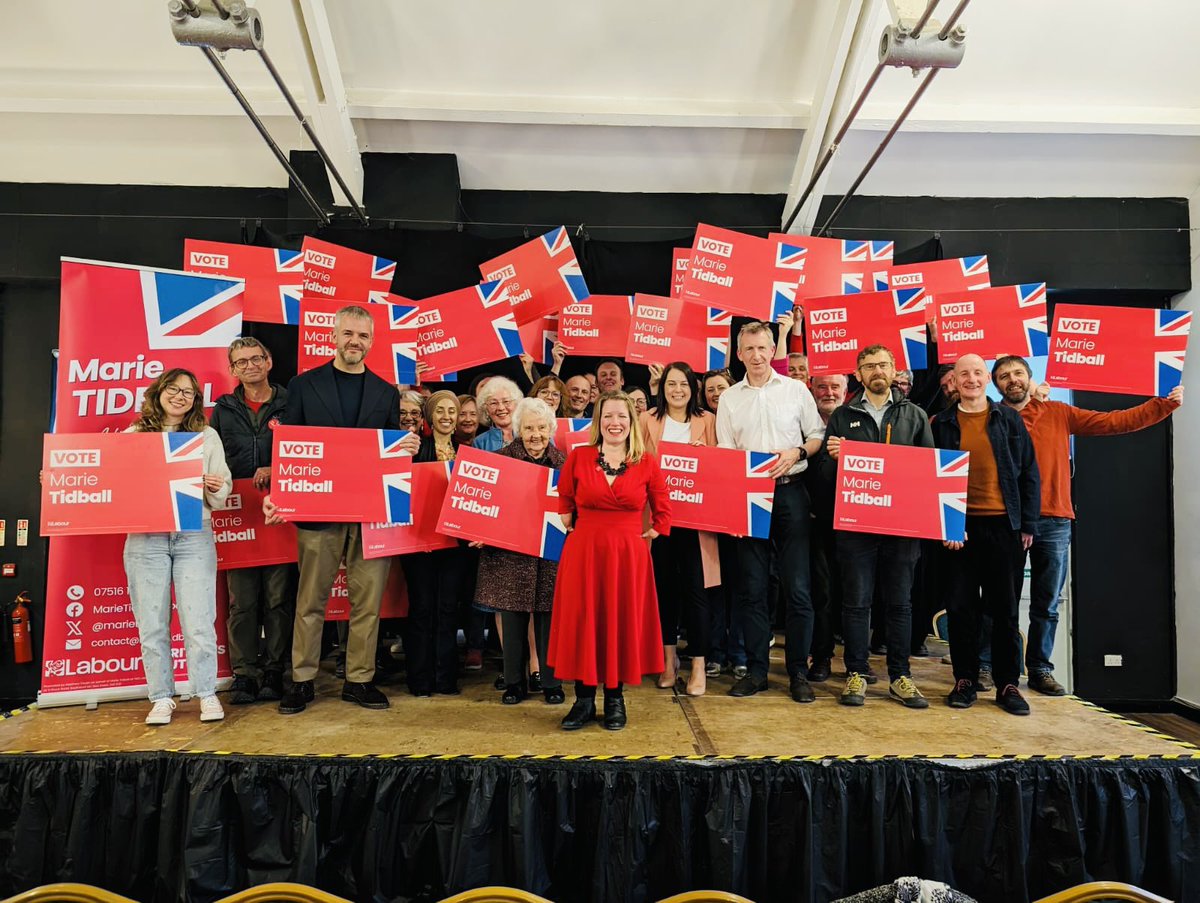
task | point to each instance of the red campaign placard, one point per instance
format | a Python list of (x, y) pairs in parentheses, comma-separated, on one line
[(538, 338), (341, 475), (429, 483), (723, 490), (900, 490), (597, 326), (540, 277), (738, 273), (243, 539), (572, 432), (464, 328), (122, 326), (503, 502), (122, 483), (679, 267), (936, 277), (841, 326), (663, 330), (394, 603), (91, 651), (345, 275), (1124, 350), (393, 354), (274, 276), (818, 267), (991, 322)]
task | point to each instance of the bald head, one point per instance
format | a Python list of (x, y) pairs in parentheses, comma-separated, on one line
[(971, 379)]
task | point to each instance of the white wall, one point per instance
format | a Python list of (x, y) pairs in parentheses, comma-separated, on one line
[(1187, 506)]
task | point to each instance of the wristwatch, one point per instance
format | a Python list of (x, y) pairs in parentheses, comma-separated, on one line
[(803, 452)]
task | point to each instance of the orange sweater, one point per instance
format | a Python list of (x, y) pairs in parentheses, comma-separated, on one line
[(1051, 425)]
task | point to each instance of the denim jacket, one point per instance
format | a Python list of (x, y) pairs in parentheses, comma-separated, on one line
[(1015, 463)]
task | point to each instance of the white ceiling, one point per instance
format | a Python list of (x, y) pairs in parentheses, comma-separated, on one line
[(1062, 98)]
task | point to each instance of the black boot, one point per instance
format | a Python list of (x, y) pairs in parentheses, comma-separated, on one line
[(614, 713), (582, 713), (514, 693)]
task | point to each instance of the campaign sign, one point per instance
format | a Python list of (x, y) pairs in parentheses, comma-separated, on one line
[(429, 483), (992, 322), (91, 648), (722, 490), (1125, 350), (274, 276), (598, 326), (122, 326), (663, 330), (736, 272), (817, 267), (394, 603), (243, 539), (122, 483), (679, 268), (540, 277), (464, 328), (393, 353), (503, 502), (901, 490), (572, 432), (933, 278), (352, 277), (538, 338), (841, 326), (342, 475)]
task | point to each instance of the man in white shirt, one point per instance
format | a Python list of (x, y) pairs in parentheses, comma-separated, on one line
[(769, 412)]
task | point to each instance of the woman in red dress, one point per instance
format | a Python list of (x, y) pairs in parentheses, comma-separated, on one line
[(604, 628)]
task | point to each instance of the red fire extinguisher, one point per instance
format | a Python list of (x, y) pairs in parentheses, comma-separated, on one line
[(22, 644)]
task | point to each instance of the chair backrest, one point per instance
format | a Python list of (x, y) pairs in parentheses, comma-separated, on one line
[(1097, 891), (495, 895), (282, 892), (68, 893), (706, 896)]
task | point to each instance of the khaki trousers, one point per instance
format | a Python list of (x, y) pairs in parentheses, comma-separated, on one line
[(321, 553)]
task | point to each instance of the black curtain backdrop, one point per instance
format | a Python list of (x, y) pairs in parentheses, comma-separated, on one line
[(176, 826)]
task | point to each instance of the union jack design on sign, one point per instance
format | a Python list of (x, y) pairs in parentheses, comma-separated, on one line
[(188, 311), (831, 266), (540, 277), (722, 490), (554, 534), (274, 276), (397, 490), (953, 505), (390, 443)]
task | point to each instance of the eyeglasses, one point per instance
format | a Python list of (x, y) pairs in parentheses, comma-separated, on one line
[(871, 368), (550, 393), (256, 361), (410, 415), (501, 403), (172, 391)]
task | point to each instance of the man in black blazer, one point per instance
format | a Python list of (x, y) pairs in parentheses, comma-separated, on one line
[(342, 393)]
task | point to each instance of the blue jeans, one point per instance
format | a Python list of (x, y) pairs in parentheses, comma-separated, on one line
[(863, 557), (1047, 576), (153, 562)]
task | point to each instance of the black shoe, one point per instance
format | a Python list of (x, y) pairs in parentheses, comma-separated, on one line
[(386, 664), (921, 651), (871, 677), (535, 682), (554, 696), (800, 690), (962, 696), (1044, 683), (582, 713), (366, 695), (272, 686), (499, 683), (513, 694), (748, 686), (244, 690), (339, 668), (1011, 700), (296, 698), (614, 713), (819, 672), (449, 690), (879, 648)]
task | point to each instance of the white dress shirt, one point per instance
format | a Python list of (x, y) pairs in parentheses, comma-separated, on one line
[(768, 418)]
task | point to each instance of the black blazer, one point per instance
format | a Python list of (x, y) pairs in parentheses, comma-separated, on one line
[(312, 400)]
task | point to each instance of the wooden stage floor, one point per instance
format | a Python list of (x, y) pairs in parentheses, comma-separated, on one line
[(661, 723)]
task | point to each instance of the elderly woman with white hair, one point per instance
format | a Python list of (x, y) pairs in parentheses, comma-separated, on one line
[(519, 586), (498, 398)]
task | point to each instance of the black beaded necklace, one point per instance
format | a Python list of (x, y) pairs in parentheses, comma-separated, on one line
[(612, 471)]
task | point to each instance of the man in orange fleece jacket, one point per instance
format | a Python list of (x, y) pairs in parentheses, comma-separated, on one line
[(1051, 425)]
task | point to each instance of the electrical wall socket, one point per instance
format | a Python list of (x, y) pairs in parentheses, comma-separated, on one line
[(1113, 661)]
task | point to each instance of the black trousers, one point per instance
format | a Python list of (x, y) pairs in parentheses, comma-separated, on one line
[(679, 581), (978, 580), (826, 588), (515, 625), (788, 547), (430, 642)]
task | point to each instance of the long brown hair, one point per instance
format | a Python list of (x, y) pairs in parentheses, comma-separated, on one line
[(634, 446), (153, 417), (552, 381)]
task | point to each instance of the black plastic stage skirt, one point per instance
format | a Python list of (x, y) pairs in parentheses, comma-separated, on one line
[(175, 826)]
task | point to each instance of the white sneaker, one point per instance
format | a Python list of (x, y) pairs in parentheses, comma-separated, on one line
[(210, 709), (160, 712)]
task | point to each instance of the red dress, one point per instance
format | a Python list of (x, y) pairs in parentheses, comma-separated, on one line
[(604, 628)]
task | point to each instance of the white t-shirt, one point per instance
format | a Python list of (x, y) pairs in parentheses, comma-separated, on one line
[(674, 431)]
